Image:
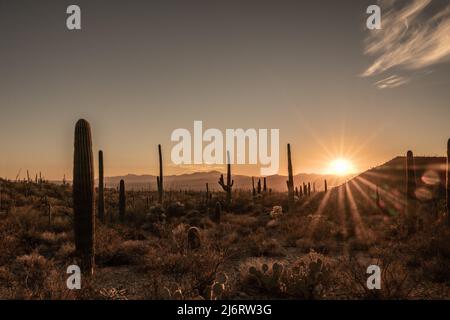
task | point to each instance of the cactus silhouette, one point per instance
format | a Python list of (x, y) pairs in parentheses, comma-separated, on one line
[(122, 201), (229, 185), (193, 237), (410, 192), (290, 181), (101, 193), (259, 185), (253, 187), (265, 185), (447, 187), (83, 196), (377, 196), (325, 185), (159, 180), (217, 212)]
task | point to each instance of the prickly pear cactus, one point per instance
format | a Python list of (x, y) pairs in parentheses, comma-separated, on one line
[(270, 280)]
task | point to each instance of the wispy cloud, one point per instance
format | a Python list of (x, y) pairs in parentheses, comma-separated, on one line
[(415, 34), (392, 82)]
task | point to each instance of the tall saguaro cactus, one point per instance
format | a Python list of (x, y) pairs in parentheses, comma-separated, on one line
[(410, 191), (229, 185), (325, 185), (253, 187), (122, 201), (265, 185), (83, 196), (101, 192), (447, 187), (290, 181), (159, 180)]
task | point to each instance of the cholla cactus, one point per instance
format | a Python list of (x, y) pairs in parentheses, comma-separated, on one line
[(269, 280), (218, 287), (194, 240), (277, 211)]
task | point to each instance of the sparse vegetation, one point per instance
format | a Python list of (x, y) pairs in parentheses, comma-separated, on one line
[(262, 246)]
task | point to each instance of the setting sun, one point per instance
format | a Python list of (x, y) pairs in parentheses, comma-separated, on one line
[(341, 167)]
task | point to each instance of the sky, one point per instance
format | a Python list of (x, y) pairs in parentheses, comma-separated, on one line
[(137, 70)]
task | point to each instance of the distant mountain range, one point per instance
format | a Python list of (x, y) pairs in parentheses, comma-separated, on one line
[(197, 181)]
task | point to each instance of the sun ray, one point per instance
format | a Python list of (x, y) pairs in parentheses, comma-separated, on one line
[(314, 221), (359, 228)]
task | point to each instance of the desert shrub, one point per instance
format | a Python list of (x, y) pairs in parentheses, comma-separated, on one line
[(34, 277), (175, 209), (396, 282)]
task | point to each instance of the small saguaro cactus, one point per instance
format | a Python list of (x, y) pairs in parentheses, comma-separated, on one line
[(265, 185), (305, 189), (259, 186), (410, 176), (447, 187), (193, 237), (217, 212), (48, 209), (290, 181), (207, 191), (325, 185), (253, 187), (159, 180), (101, 191), (410, 191), (122, 201), (229, 185), (309, 188), (377, 197), (83, 196)]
